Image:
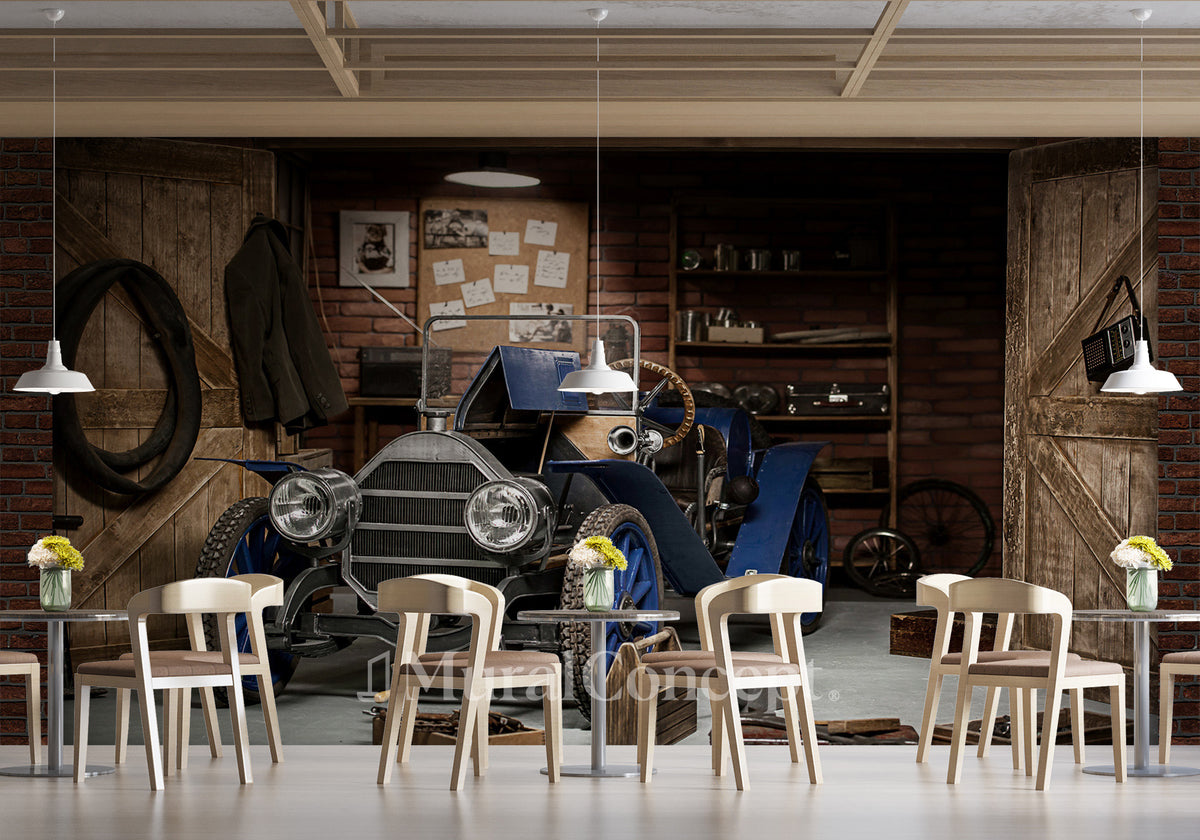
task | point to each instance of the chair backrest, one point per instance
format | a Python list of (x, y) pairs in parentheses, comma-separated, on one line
[(1011, 597), (494, 596), (197, 595), (705, 596), (265, 591), (416, 598), (779, 596)]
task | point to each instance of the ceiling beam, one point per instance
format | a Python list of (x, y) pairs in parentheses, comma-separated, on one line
[(312, 18), (884, 27)]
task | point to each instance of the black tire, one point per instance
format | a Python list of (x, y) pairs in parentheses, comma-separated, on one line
[(576, 637), (219, 558), (883, 562), (948, 523)]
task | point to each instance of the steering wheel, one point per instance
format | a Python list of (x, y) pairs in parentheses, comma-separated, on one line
[(667, 377)]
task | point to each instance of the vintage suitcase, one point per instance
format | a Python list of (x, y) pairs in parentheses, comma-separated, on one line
[(833, 399), (396, 372)]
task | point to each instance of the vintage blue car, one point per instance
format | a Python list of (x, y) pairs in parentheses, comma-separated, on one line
[(502, 493)]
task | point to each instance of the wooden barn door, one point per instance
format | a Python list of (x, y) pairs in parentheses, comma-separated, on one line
[(181, 208), (1080, 468)]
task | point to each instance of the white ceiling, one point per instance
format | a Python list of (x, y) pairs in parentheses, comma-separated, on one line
[(669, 68)]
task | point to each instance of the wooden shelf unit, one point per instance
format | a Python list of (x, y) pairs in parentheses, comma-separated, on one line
[(821, 228)]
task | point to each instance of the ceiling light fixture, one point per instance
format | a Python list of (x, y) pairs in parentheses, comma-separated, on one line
[(493, 173), (1142, 377), (53, 377), (597, 377)]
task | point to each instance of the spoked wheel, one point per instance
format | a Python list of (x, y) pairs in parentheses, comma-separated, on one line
[(883, 562), (949, 524), (243, 542), (638, 586), (807, 553)]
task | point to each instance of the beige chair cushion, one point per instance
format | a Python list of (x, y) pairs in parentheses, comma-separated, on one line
[(163, 663), (1039, 669), (496, 663), (13, 657), (1005, 656), (704, 664), (1186, 657), (213, 656)]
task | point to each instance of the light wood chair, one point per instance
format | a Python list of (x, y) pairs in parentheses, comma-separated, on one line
[(721, 671), (1058, 674), (477, 672), (223, 596), (1183, 663), (15, 663), (265, 591), (934, 591)]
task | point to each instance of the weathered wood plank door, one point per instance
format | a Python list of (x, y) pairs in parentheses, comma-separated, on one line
[(1080, 468), (181, 208)]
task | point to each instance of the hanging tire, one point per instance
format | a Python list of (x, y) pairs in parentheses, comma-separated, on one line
[(807, 552), (883, 562), (243, 542), (640, 585), (947, 522)]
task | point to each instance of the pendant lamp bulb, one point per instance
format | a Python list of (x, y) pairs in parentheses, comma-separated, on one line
[(53, 377), (1142, 377)]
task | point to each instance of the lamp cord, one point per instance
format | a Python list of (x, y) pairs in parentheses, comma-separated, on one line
[(1141, 222), (598, 250), (53, 180)]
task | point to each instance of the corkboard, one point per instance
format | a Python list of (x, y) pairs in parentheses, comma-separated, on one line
[(503, 216)]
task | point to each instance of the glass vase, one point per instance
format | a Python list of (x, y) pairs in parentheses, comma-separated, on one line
[(55, 588), (598, 588), (1141, 589)]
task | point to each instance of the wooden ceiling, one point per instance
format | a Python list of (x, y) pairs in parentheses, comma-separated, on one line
[(325, 75)]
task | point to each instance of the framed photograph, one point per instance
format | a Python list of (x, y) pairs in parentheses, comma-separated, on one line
[(373, 248)]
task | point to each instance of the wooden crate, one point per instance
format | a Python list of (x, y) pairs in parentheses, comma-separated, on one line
[(912, 633), (422, 734), (676, 709), (851, 473)]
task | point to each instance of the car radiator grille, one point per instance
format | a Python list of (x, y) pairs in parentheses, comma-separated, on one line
[(412, 518)]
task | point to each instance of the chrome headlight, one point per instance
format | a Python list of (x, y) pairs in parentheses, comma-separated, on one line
[(503, 516), (312, 505)]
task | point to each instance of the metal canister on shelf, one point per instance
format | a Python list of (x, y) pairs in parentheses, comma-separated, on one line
[(757, 259), (726, 257), (692, 325)]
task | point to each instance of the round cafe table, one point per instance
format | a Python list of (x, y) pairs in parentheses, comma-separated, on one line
[(1141, 688), (54, 767), (599, 768)]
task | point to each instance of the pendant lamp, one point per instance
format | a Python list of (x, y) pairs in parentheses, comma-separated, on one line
[(493, 173), (53, 377), (1142, 377), (597, 377)]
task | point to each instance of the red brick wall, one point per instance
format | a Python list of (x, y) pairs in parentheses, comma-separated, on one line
[(951, 211), (25, 445), (1179, 416)]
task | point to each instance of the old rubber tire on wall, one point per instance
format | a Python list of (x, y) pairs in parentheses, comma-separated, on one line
[(640, 585), (243, 542)]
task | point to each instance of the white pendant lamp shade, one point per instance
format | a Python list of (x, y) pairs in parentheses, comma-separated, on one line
[(53, 377), (1143, 377), (597, 377), (493, 173)]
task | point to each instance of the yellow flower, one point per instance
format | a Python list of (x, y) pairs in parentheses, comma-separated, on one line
[(1154, 555), (49, 552), (599, 550)]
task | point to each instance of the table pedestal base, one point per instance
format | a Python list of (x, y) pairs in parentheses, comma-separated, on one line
[(609, 771), (1155, 770), (44, 771)]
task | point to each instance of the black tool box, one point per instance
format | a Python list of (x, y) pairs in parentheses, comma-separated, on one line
[(396, 372), (834, 399)]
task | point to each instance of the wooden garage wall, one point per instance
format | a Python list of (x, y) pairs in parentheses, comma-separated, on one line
[(181, 208)]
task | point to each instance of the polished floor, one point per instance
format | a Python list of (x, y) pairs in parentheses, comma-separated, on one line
[(869, 792)]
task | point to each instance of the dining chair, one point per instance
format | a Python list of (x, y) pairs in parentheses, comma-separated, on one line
[(934, 591), (1181, 663), (265, 591), (476, 672), (15, 663), (1057, 674), (143, 673), (721, 671)]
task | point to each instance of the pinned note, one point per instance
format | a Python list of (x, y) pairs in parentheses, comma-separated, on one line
[(450, 307), (540, 233), (552, 269), (478, 293), (504, 244), (448, 271), (512, 279)]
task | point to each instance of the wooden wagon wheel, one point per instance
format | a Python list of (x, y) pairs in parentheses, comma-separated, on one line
[(668, 377)]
